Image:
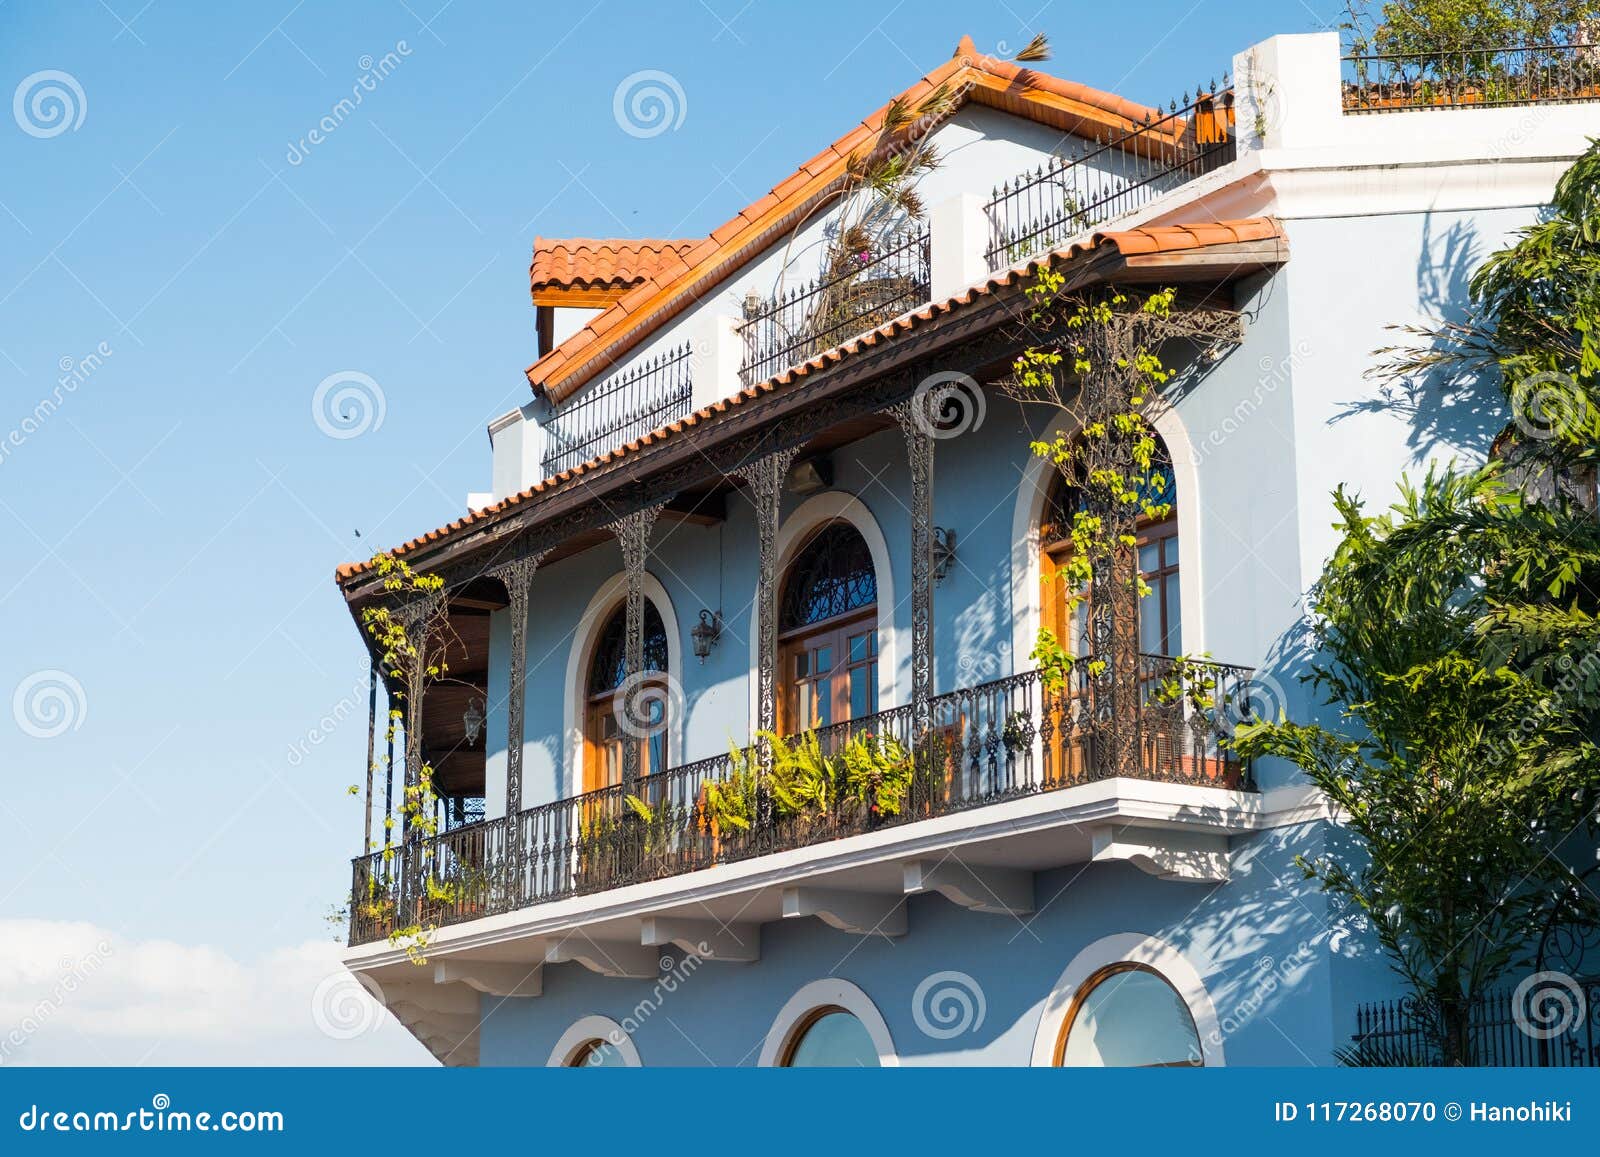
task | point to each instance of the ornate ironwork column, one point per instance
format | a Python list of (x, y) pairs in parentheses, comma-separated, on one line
[(372, 755), (633, 535), (413, 614), (917, 426), (516, 575), (388, 764), (1114, 683), (765, 476)]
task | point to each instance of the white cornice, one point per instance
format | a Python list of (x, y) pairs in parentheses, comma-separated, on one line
[(1151, 807)]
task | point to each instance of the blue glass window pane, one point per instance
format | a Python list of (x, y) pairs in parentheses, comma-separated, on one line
[(1132, 1018), (834, 1040)]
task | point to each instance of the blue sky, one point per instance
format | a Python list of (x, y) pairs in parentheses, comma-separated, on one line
[(172, 524)]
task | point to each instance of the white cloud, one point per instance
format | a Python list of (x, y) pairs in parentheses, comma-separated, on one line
[(75, 994)]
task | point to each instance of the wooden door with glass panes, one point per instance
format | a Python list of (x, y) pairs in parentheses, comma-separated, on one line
[(827, 632), (831, 674)]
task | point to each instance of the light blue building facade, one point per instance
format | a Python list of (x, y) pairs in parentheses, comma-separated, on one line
[(1085, 879)]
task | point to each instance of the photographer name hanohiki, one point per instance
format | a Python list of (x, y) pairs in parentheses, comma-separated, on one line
[(1406, 1112)]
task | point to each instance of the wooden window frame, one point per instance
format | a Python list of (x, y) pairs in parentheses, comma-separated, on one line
[(836, 632), (1099, 977)]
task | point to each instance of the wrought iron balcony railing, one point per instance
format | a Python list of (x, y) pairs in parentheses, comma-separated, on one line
[(1000, 740), (862, 292), (1074, 194), (628, 405), (1474, 77)]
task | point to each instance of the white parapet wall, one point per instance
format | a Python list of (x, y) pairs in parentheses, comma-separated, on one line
[(517, 444), (1287, 97)]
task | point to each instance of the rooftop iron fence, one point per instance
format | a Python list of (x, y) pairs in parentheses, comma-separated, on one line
[(654, 393), (1097, 180), (1471, 77), (858, 293)]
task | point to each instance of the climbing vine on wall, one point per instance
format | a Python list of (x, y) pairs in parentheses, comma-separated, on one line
[(1096, 358), (412, 637)]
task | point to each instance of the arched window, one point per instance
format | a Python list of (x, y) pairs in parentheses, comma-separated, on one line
[(1128, 1016), (827, 631), (598, 1054), (596, 1042), (1160, 613), (606, 681), (830, 1038)]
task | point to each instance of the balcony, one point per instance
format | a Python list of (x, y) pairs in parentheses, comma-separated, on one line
[(628, 405), (1471, 78), (985, 745), (1070, 196), (870, 289)]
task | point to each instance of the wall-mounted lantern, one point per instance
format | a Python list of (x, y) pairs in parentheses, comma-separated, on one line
[(472, 719), (944, 551), (705, 634)]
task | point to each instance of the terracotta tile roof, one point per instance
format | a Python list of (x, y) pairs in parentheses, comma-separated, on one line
[(682, 276), (597, 262), (1159, 239)]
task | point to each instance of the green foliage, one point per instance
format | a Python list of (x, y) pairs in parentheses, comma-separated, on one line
[(412, 636), (1105, 372), (414, 939), (874, 774), (730, 803), (1443, 26), (1456, 633), (869, 776)]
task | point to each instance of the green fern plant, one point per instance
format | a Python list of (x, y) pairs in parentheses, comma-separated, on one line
[(730, 803), (874, 773), (803, 781)]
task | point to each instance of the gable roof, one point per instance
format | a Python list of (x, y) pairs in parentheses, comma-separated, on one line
[(1155, 245), (682, 277), (566, 269)]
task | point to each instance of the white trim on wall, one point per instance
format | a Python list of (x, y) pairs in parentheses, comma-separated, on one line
[(818, 511), (584, 638), (830, 992), (591, 1028), (1129, 948), (1026, 595)]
